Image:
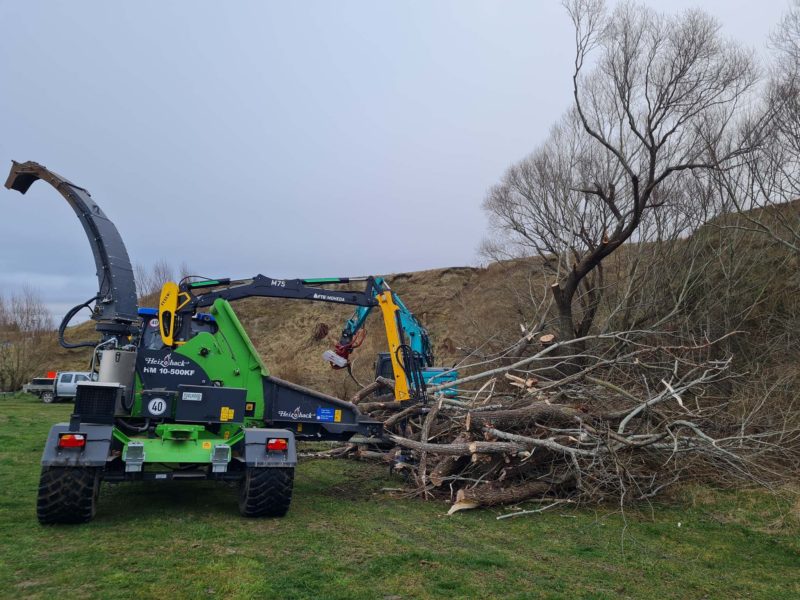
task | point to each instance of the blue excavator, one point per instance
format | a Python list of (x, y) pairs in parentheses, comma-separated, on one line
[(410, 361)]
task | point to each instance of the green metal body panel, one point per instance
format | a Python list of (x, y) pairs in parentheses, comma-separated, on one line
[(159, 450), (202, 284), (178, 443), (227, 356), (179, 432)]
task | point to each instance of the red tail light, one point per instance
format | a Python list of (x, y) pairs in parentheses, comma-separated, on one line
[(277, 445), (71, 440)]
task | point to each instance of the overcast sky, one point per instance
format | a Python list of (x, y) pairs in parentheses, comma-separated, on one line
[(294, 139)]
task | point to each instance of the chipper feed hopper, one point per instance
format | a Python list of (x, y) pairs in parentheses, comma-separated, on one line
[(180, 394)]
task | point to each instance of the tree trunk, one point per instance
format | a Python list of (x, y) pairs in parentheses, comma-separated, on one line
[(460, 449), (563, 300), (551, 414), (488, 495)]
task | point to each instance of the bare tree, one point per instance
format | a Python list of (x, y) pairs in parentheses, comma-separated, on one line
[(149, 281), (786, 39), (539, 209), (761, 184), (145, 282), (185, 271), (162, 272), (25, 324), (651, 110), (4, 319), (659, 100)]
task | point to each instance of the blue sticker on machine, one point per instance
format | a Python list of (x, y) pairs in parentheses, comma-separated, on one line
[(325, 414)]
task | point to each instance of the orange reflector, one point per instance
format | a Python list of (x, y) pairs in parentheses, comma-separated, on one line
[(71, 440), (277, 445)]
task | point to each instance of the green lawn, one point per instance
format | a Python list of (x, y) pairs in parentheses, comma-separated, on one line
[(345, 538)]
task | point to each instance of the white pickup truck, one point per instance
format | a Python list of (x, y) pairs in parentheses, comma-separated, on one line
[(63, 387)]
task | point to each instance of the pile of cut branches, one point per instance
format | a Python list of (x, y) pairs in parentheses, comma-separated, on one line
[(577, 438)]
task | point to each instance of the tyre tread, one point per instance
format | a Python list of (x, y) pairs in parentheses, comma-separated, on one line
[(67, 494), (266, 491)]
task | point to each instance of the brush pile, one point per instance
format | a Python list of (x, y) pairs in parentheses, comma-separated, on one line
[(577, 439)]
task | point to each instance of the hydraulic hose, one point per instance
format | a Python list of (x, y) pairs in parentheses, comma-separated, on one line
[(125, 426), (65, 322), (410, 365)]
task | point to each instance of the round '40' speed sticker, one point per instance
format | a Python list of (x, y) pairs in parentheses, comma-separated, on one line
[(157, 407)]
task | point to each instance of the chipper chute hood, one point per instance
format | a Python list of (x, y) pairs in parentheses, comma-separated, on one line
[(116, 309)]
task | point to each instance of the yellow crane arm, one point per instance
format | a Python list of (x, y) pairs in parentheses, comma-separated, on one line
[(389, 311), (168, 306)]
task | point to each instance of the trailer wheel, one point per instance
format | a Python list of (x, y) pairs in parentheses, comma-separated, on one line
[(48, 397), (266, 491), (67, 494)]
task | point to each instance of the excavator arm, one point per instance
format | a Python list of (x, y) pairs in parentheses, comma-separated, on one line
[(399, 318), (410, 352), (409, 345)]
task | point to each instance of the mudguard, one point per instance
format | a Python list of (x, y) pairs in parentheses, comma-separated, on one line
[(255, 448), (94, 454), (117, 289)]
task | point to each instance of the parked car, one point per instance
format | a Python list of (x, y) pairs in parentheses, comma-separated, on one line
[(63, 386), (38, 385)]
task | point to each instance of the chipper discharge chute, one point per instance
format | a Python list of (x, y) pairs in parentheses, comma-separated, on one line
[(178, 395)]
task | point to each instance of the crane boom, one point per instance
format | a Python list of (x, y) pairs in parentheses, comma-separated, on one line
[(409, 347)]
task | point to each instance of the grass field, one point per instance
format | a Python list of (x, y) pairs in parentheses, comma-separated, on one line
[(345, 538)]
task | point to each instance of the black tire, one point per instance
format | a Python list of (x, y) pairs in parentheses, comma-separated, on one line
[(67, 494), (48, 397), (266, 491)]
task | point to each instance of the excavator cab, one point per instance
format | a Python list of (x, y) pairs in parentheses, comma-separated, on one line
[(151, 336), (430, 375)]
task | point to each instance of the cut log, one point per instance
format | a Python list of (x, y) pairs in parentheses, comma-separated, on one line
[(403, 414), (383, 403), (386, 457), (522, 382), (542, 412), (448, 464), (387, 382), (550, 443), (462, 505), (491, 495), (446, 467), (425, 434), (365, 391), (460, 449), (375, 386), (338, 452)]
